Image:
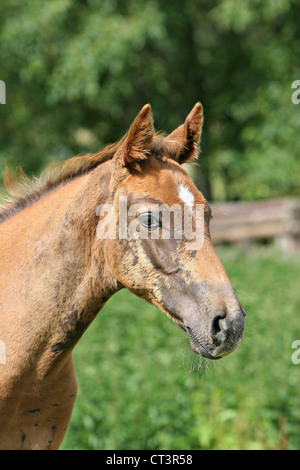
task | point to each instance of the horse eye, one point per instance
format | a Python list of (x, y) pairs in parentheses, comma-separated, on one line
[(149, 221)]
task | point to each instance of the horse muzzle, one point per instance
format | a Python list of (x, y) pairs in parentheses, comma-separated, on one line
[(218, 337)]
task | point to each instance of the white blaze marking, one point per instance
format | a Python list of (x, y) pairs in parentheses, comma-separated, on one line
[(186, 196)]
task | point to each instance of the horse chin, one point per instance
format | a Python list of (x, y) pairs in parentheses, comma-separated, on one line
[(199, 349), (195, 345)]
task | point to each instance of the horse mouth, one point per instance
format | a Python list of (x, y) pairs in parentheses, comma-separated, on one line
[(198, 348)]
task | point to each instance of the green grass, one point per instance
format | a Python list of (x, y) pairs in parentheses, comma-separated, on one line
[(141, 387)]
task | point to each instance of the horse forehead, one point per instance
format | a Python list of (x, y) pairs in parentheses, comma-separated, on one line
[(167, 186)]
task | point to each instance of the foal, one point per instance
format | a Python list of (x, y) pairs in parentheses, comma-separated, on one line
[(57, 272)]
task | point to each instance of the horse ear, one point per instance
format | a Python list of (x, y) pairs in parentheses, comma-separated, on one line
[(183, 143), (135, 147)]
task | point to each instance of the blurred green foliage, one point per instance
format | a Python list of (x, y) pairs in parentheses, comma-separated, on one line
[(77, 72), (141, 386)]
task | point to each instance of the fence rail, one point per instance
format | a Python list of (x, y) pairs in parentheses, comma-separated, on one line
[(244, 222)]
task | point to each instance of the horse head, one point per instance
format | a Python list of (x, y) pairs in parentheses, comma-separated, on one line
[(155, 200)]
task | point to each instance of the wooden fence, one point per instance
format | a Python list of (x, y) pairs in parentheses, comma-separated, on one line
[(245, 222)]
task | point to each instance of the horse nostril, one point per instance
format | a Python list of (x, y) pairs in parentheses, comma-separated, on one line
[(218, 324), (188, 330)]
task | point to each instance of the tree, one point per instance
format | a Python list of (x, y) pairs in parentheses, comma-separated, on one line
[(78, 72)]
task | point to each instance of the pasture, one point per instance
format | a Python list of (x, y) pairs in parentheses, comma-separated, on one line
[(141, 387)]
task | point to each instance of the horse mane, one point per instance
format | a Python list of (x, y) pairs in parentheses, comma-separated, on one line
[(22, 191)]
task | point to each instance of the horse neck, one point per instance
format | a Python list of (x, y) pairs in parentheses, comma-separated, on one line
[(58, 263)]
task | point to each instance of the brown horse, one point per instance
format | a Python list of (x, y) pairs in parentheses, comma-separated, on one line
[(57, 273)]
